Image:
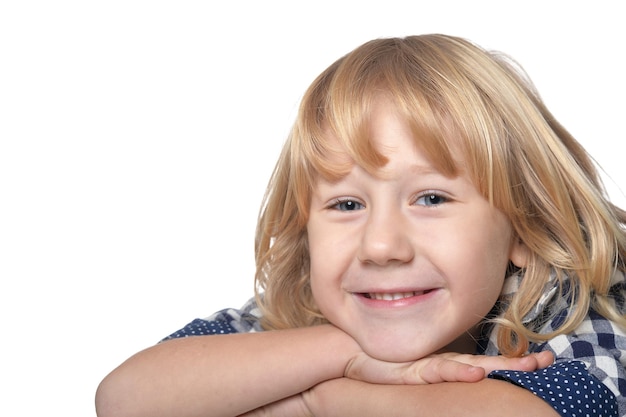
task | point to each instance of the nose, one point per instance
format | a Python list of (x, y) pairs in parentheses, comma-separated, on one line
[(386, 238)]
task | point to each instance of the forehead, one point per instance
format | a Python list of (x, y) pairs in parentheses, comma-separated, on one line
[(382, 131), (431, 93)]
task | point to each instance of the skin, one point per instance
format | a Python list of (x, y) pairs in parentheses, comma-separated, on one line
[(383, 362), (298, 372), (407, 261), (411, 233), (347, 397)]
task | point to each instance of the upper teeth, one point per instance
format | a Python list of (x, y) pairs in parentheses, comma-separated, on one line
[(392, 296)]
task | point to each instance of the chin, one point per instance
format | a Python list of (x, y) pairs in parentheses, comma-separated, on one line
[(397, 352)]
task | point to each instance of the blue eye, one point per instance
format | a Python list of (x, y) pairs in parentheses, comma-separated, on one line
[(347, 205), (430, 200)]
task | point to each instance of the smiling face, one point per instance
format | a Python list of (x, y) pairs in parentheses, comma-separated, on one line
[(406, 261)]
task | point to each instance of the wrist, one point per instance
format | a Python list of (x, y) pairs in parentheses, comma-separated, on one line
[(339, 348)]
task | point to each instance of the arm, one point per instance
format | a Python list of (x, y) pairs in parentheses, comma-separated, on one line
[(345, 397), (224, 375), (395, 387), (228, 375)]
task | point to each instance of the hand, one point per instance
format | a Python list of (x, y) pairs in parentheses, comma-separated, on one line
[(440, 367)]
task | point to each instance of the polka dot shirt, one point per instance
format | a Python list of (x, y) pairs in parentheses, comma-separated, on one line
[(567, 387), (200, 327)]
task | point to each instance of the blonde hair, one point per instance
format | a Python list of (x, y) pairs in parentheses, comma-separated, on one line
[(454, 95)]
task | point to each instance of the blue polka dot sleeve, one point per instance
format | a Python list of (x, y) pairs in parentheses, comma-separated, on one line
[(201, 327), (567, 387), (225, 321)]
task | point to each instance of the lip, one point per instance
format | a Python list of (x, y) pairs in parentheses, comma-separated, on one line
[(396, 298)]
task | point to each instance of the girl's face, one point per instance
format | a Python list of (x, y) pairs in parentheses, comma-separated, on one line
[(407, 261)]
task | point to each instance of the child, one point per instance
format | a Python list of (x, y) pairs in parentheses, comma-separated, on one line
[(428, 224)]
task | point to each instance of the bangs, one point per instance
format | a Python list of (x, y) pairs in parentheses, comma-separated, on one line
[(336, 113), (452, 110)]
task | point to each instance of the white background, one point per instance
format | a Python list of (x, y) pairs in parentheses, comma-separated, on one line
[(136, 139)]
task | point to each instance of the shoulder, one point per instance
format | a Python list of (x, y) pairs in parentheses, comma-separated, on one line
[(595, 337), (230, 320), (598, 343), (589, 374), (589, 361)]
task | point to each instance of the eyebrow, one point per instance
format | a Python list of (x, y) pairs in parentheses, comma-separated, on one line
[(430, 169), (424, 170), (413, 170)]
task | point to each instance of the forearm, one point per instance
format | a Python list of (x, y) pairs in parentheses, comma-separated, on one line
[(345, 397), (223, 375)]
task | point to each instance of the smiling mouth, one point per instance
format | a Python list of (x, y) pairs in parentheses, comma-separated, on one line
[(387, 296)]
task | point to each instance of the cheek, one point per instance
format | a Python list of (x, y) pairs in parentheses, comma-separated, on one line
[(330, 262), (323, 289), (326, 266), (321, 265), (495, 259), (331, 250), (492, 237), (487, 255), (318, 255), (480, 280)]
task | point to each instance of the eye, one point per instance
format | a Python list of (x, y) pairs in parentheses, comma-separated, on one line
[(431, 199), (346, 205)]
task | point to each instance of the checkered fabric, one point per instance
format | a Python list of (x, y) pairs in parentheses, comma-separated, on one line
[(598, 345)]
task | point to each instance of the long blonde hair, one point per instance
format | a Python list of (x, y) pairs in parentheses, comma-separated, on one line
[(453, 94)]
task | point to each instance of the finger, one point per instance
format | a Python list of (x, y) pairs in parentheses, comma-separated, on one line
[(544, 359), (530, 362), (525, 363), (439, 370)]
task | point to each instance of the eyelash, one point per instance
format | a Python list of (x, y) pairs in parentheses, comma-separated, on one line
[(338, 202), (431, 194)]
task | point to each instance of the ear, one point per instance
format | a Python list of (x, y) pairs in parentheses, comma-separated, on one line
[(520, 254)]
